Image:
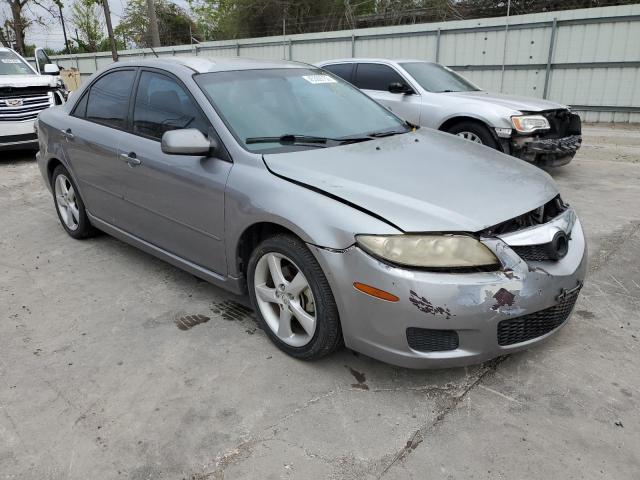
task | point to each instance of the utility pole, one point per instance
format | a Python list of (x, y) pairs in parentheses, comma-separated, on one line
[(504, 49), (284, 30), (112, 40), (153, 24), (64, 29)]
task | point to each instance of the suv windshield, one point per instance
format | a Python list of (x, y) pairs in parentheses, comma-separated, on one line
[(279, 110), (11, 64), (437, 78)]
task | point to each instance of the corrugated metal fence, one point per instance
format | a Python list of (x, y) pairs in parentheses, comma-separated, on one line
[(588, 58)]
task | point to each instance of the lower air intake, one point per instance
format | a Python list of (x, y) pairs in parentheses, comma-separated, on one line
[(528, 327), (428, 340)]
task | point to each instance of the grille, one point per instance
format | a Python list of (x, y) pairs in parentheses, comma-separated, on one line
[(428, 340), (32, 104), (536, 324), (534, 253), (563, 123), (543, 214)]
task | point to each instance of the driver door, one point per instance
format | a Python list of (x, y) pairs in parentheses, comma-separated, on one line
[(374, 80), (175, 202)]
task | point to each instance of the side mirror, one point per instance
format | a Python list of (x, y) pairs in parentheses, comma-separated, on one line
[(398, 87), (187, 141), (51, 69)]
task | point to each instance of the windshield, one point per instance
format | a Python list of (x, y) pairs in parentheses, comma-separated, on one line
[(301, 105), (437, 78), (11, 64)]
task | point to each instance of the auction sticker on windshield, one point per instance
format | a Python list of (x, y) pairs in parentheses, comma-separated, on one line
[(11, 60), (315, 79)]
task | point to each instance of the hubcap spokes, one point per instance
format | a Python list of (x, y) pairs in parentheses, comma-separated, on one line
[(285, 299), (66, 202), (472, 137)]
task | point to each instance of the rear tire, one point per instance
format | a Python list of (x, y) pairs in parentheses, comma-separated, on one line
[(69, 205), (474, 131), (292, 298)]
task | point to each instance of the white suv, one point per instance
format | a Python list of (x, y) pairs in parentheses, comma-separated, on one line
[(24, 93)]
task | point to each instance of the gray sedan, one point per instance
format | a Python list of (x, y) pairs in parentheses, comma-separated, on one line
[(344, 224)]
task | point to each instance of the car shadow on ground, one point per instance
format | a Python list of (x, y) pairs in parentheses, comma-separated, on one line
[(17, 156)]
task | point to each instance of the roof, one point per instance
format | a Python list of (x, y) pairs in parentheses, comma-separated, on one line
[(376, 60), (212, 64)]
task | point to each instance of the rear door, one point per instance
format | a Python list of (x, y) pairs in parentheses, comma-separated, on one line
[(374, 79), (91, 135), (175, 202)]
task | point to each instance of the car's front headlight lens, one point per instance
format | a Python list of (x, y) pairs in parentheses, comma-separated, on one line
[(429, 251), (530, 123)]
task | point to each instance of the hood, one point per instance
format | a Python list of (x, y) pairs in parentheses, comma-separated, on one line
[(511, 102), (422, 181), (18, 81)]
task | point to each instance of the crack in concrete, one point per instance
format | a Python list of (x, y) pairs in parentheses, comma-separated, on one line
[(419, 435)]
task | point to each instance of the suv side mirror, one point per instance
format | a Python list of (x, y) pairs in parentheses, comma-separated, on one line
[(398, 87), (187, 141), (51, 69)]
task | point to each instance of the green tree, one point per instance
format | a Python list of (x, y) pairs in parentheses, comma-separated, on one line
[(174, 23), (87, 19)]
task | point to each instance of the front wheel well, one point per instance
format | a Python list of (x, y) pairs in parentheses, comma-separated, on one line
[(252, 237), (448, 124)]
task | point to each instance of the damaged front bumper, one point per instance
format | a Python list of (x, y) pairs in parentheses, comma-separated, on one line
[(453, 319), (553, 147), (549, 152)]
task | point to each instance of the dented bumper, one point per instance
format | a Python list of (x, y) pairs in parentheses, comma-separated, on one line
[(470, 304), (551, 152)]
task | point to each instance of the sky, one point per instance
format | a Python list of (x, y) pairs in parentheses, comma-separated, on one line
[(51, 34)]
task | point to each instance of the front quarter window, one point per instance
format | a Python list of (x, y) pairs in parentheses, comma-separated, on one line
[(272, 103), (11, 64)]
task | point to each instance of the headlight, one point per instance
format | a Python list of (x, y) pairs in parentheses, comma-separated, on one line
[(429, 251), (530, 123)]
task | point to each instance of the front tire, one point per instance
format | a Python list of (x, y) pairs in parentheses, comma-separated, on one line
[(474, 132), (292, 298), (69, 205)]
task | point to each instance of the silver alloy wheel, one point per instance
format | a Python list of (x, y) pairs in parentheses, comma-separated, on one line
[(472, 137), (67, 202), (285, 299)]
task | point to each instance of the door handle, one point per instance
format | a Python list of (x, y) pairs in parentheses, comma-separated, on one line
[(67, 134), (131, 159)]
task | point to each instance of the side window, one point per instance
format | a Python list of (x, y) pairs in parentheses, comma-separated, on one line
[(80, 110), (374, 76), (41, 59), (343, 70), (108, 101), (162, 105)]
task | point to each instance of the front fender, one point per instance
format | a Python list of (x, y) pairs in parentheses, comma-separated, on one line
[(255, 195)]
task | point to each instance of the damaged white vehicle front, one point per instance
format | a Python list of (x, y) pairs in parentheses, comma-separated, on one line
[(24, 93)]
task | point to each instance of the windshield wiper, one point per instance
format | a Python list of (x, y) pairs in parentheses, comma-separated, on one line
[(291, 139)]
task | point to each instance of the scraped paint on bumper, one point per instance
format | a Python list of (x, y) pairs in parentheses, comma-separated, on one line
[(471, 304)]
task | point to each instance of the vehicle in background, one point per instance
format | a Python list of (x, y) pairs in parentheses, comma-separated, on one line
[(24, 93), (341, 222), (432, 95)]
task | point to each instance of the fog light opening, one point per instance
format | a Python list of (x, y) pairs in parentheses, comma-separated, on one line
[(375, 292)]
